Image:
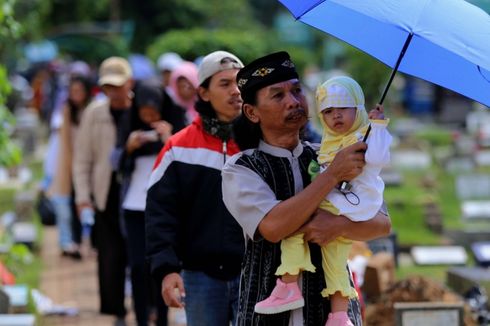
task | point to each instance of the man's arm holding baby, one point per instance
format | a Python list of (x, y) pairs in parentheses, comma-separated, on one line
[(325, 227)]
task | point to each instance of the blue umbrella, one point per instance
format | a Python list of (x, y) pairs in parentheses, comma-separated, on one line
[(446, 42), (142, 66)]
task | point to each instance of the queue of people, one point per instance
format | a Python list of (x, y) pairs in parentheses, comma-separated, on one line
[(192, 181)]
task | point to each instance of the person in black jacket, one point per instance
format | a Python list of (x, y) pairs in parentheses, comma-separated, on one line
[(194, 245), (143, 137)]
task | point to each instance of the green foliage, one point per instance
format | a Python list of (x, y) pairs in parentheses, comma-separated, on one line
[(245, 44), (197, 42), (9, 27), (10, 153), (23, 264), (302, 57), (370, 73), (153, 17), (90, 48), (10, 30)]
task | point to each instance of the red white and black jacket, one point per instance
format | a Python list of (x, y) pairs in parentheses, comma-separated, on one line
[(187, 223)]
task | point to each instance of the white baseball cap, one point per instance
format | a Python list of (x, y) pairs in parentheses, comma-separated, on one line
[(215, 62)]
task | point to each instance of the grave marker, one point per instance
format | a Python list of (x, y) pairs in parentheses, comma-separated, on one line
[(429, 314), (476, 209), (481, 251), (439, 255), (473, 186)]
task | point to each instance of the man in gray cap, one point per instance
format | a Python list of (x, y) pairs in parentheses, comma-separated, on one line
[(194, 245), (267, 189)]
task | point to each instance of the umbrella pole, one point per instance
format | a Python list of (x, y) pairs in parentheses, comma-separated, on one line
[(395, 69)]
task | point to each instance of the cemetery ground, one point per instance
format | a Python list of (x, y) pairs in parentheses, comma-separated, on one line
[(422, 201)]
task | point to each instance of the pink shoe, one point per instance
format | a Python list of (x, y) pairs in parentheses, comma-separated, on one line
[(338, 318), (284, 297)]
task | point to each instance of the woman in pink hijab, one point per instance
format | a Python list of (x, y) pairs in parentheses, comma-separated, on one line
[(183, 87)]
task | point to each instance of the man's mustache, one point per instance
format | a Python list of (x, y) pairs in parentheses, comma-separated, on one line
[(298, 113)]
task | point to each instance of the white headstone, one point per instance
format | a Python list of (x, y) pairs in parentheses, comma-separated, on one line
[(410, 159), (482, 158), (481, 251), (17, 320), (473, 186), (476, 209), (439, 255)]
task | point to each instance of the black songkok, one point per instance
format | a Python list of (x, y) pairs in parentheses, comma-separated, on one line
[(265, 71)]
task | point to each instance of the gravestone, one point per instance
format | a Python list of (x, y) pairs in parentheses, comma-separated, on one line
[(467, 237), (25, 202), (433, 217), (476, 210), (473, 186), (406, 127), (4, 302), (410, 159), (391, 177), (429, 314), (464, 145), (479, 115), (482, 158), (460, 164), (17, 320), (4, 175), (25, 233), (27, 129), (18, 295), (481, 251), (7, 219), (439, 255), (461, 279)]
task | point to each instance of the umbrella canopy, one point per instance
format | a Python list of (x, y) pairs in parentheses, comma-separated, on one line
[(446, 42)]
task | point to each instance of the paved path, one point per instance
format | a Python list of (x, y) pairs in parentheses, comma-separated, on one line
[(74, 284)]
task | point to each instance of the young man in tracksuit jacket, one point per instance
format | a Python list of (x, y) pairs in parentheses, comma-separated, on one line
[(194, 246)]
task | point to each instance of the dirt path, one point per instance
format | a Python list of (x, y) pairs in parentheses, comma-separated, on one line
[(74, 284)]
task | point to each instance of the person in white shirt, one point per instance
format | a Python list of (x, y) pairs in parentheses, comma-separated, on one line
[(268, 190)]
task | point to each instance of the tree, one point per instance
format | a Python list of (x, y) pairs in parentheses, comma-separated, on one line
[(196, 42), (155, 17), (10, 154)]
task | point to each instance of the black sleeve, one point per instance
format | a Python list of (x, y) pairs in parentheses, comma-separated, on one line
[(162, 223)]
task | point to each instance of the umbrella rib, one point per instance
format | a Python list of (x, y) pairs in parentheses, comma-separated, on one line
[(310, 8), (481, 73)]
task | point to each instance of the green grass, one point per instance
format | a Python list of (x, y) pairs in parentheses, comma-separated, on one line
[(437, 272), (7, 196), (405, 205), (435, 135), (36, 168), (449, 202)]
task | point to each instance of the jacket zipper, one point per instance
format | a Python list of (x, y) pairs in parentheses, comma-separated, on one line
[(224, 151)]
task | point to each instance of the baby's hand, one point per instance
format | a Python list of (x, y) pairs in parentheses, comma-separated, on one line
[(377, 113)]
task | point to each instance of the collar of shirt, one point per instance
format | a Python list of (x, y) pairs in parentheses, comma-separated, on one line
[(279, 151)]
